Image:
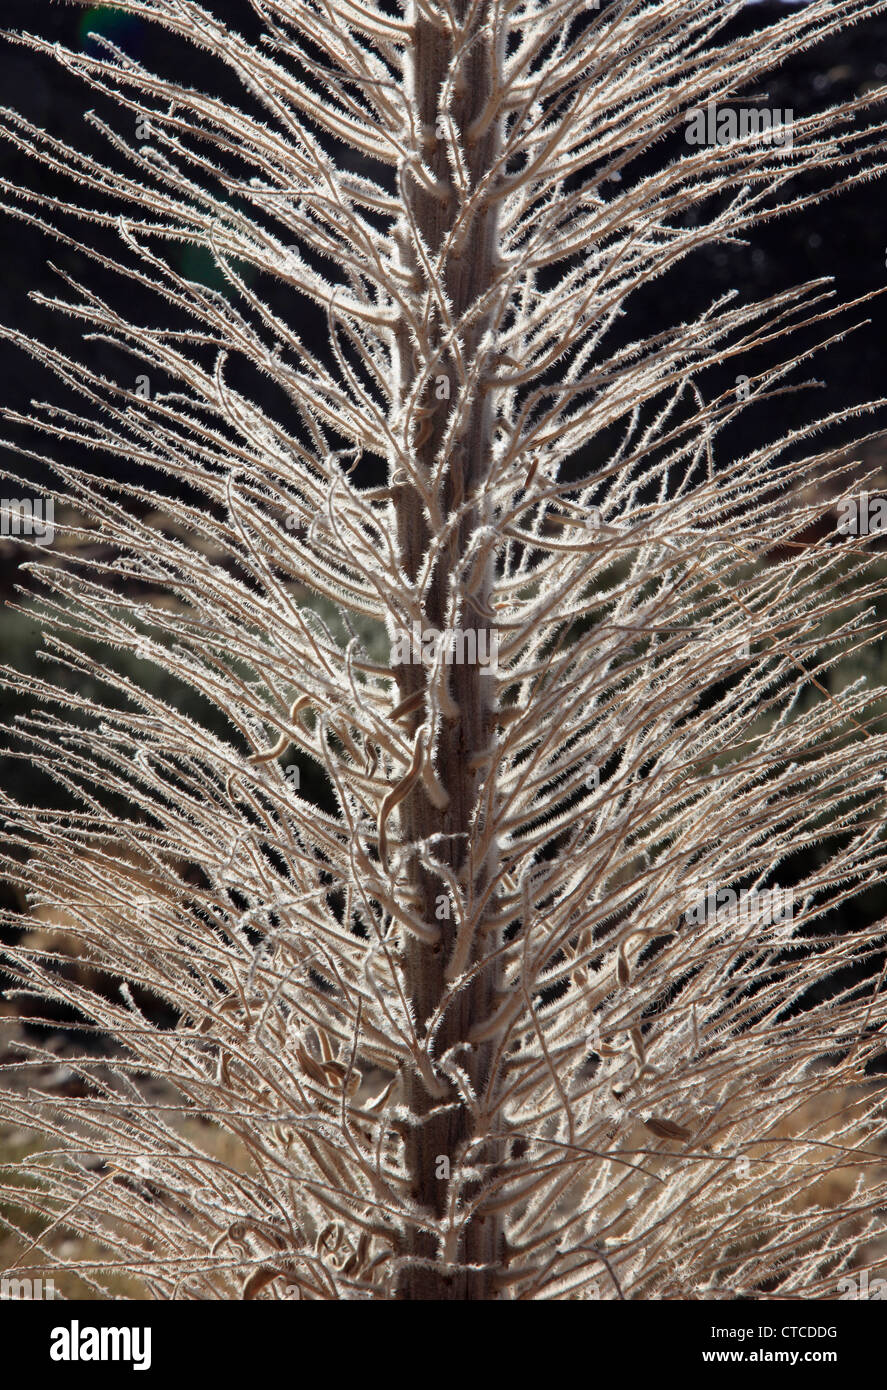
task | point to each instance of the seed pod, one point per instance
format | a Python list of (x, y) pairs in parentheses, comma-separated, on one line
[(285, 739), (667, 1129), (623, 970), (258, 1281), (310, 1067), (399, 792), (412, 702)]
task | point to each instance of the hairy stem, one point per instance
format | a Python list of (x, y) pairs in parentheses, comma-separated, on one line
[(450, 1130)]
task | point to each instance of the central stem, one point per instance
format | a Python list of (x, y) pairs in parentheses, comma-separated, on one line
[(457, 1254)]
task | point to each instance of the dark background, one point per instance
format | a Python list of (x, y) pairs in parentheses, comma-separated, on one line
[(845, 237)]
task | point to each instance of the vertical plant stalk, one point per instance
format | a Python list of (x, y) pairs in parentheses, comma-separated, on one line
[(465, 245), (458, 940)]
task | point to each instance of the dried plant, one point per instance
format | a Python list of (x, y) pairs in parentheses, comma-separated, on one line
[(496, 1021)]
